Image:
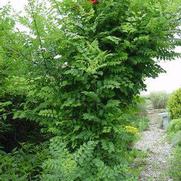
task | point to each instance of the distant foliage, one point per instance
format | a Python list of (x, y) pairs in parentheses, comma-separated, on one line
[(174, 104), (159, 99)]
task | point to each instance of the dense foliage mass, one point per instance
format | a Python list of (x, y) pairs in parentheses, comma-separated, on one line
[(174, 104), (71, 82)]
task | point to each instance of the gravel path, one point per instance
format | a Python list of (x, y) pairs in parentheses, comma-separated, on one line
[(154, 142)]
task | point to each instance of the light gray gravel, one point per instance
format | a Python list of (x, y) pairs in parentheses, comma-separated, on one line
[(154, 142)]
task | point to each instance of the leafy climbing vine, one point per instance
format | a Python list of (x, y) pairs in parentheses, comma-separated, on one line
[(75, 77)]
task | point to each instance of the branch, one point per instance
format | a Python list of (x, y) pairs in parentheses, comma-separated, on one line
[(38, 34)]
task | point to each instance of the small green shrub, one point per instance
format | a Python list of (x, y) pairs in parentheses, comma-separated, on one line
[(143, 123), (174, 104), (174, 127), (175, 164), (159, 99), (174, 132), (176, 140)]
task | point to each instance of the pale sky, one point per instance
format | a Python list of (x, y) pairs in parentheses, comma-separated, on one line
[(168, 81), (165, 82), (17, 4)]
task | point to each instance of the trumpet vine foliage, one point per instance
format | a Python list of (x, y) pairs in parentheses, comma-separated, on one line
[(80, 67)]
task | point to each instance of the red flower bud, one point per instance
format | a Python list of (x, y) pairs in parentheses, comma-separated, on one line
[(94, 1)]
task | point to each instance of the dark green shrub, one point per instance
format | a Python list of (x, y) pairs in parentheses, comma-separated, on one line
[(159, 99), (174, 104)]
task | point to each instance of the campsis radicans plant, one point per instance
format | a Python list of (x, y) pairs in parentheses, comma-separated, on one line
[(92, 66)]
